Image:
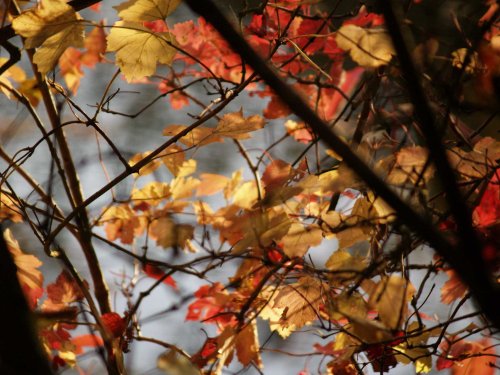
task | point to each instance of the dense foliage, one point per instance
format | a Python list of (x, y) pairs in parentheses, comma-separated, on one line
[(364, 216)]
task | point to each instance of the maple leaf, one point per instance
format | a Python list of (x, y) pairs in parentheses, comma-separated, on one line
[(234, 125), (211, 184), (300, 238), (146, 10), (390, 298), (53, 26), (370, 48), (300, 302), (148, 168), (30, 277), (199, 136), (173, 157), (168, 233), (62, 292), (182, 187), (453, 288), (121, 222), (151, 194), (139, 50), (210, 302)]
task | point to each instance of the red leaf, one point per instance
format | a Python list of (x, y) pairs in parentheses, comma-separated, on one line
[(114, 323), (156, 273), (487, 212)]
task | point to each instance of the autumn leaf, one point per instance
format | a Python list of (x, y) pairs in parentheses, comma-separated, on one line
[(53, 26), (146, 10), (390, 298), (247, 345), (168, 233), (28, 273), (234, 125), (139, 50), (121, 222), (151, 194), (148, 168), (62, 292), (370, 48), (300, 302), (453, 288), (300, 238), (199, 136), (211, 184)]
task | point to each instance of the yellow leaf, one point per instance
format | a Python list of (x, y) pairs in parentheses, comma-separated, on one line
[(53, 26), (391, 299), (258, 229), (182, 187), (27, 265), (370, 48), (199, 136), (300, 238), (146, 10), (234, 125), (152, 194), (121, 222), (148, 168), (340, 261), (211, 184), (167, 233), (186, 168), (246, 195), (173, 158), (139, 50), (300, 302), (233, 183), (420, 356)]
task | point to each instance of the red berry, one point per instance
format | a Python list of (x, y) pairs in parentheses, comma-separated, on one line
[(114, 323)]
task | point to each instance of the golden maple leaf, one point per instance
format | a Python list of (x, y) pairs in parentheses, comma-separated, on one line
[(370, 48), (53, 26), (138, 49)]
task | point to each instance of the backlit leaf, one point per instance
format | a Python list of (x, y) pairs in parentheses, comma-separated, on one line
[(139, 50), (370, 48), (53, 26), (234, 125)]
